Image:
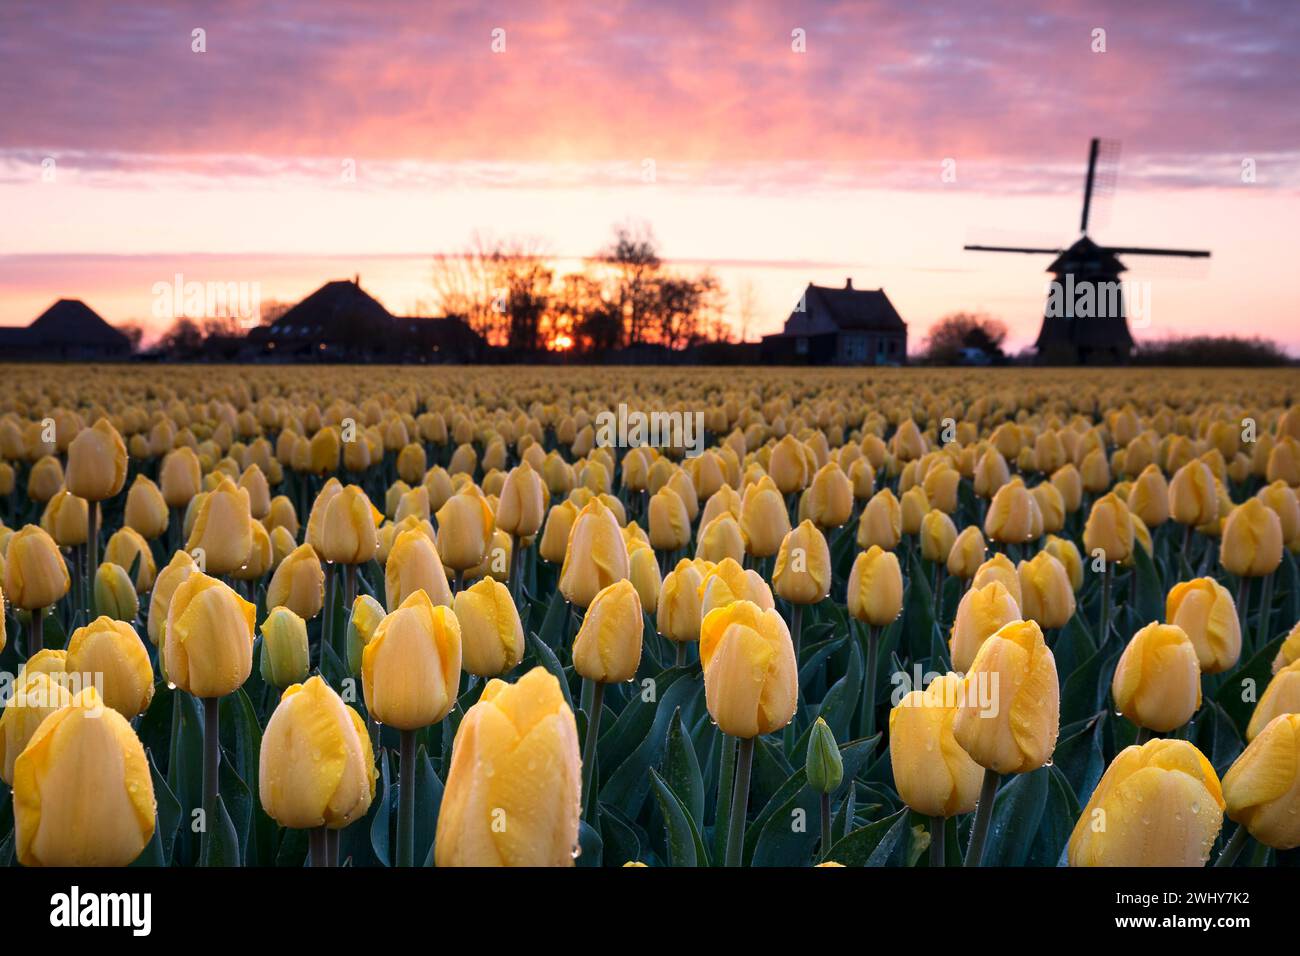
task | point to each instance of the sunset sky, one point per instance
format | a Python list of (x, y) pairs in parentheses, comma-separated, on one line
[(126, 157)]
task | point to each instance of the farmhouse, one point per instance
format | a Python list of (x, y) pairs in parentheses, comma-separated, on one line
[(832, 326)]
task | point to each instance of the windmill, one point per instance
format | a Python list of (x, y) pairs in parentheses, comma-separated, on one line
[(1085, 321)]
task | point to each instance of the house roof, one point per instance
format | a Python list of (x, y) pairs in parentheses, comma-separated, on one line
[(337, 310), (68, 323), (827, 309)]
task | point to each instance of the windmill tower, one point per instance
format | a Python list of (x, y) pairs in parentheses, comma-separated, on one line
[(1084, 321)]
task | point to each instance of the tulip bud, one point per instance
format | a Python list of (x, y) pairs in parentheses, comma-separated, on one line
[(522, 504), (875, 593), (678, 613), (1157, 682), (1010, 516), (208, 642), (981, 613), (413, 565), (1260, 788), (410, 670), (967, 553), (938, 534), (180, 477), (1046, 595), (913, 507), (284, 648), (223, 529), (940, 485), (1252, 540), (802, 573), (115, 595), (1206, 612), (82, 750), (96, 462), (1156, 805), (669, 521), (881, 523), (934, 776), (596, 556), (608, 645), (40, 689), (1149, 498), (1289, 652), (1009, 717), (66, 519), (1051, 505), (146, 511), (555, 534), (751, 683), (763, 518), (824, 765), (643, 572), (35, 573), (348, 532), (516, 732), (316, 766), (492, 637), (1109, 529), (113, 651), (1282, 696), (1069, 483), (788, 465), (363, 621), (830, 497)]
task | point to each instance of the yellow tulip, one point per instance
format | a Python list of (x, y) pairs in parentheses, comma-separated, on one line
[(35, 573), (127, 549), (608, 644), (96, 462), (555, 534), (678, 611), (1046, 593), (180, 477), (413, 565), (83, 795), (881, 524), (1281, 696), (934, 776), (1156, 805), (830, 497), (1289, 652), (1252, 540), (514, 762), (1193, 498), (999, 568), (208, 641), (763, 518), (1010, 713), (1149, 499), (981, 613), (1065, 551), (938, 535), (643, 572), (146, 510), (410, 669), (1109, 529), (875, 593), (298, 583), (363, 621), (492, 637), (596, 556), (1157, 682), (316, 766), (223, 529), (112, 651), (967, 553), (522, 504), (1262, 788), (348, 534), (40, 689), (721, 538), (802, 573), (669, 521), (169, 578), (751, 683), (1206, 612), (66, 519)]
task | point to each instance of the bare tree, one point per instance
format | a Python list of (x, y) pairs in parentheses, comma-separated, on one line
[(634, 258)]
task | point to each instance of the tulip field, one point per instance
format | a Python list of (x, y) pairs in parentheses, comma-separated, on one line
[(373, 616)]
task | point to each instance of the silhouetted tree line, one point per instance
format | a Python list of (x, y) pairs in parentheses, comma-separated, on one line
[(510, 293), (1213, 350)]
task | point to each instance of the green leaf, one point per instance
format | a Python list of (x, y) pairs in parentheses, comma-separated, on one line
[(221, 846), (1079, 754), (380, 832), (546, 657), (685, 848), (1057, 823), (1017, 811), (1259, 669), (857, 848), (428, 800), (590, 848), (629, 785), (682, 770), (1150, 599)]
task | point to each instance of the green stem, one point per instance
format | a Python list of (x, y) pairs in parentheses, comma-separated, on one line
[(1143, 735), (36, 632), (1243, 602), (597, 698), (937, 825), (681, 653), (406, 801), (983, 814), (1103, 633), (1232, 849), (739, 802), (318, 844), (211, 761), (796, 628), (869, 682), (826, 824), (92, 560), (327, 626), (332, 840), (1265, 611)]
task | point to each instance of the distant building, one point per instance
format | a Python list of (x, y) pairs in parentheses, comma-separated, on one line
[(69, 329), (341, 322), (845, 326)]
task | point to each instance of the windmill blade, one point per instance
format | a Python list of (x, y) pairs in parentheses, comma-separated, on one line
[(1052, 252), (1093, 147), (1144, 251)]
